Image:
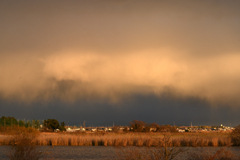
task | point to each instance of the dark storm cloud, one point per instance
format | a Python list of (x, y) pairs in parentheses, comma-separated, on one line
[(164, 110)]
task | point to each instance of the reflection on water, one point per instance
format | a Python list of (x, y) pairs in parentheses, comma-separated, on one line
[(101, 152)]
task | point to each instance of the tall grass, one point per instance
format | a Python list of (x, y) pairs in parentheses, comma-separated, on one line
[(166, 149), (127, 139)]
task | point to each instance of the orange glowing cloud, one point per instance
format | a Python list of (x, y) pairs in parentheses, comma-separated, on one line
[(112, 50)]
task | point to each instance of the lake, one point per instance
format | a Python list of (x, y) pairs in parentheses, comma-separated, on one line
[(107, 153)]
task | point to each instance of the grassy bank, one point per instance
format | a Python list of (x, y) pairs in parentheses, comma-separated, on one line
[(126, 139)]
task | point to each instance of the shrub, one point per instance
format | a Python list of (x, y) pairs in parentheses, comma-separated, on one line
[(22, 145), (163, 150), (235, 136)]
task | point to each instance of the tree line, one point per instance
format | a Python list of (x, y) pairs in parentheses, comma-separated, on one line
[(141, 126), (46, 125), (11, 121)]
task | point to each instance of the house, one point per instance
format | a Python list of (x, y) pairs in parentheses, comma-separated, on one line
[(153, 129), (93, 129), (180, 130), (70, 130)]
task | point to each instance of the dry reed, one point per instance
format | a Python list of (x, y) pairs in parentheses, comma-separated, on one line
[(127, 139)]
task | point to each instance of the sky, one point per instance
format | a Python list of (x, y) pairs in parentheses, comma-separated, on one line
[(111, 61)]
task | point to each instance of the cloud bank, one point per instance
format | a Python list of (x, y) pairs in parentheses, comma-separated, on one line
[(112, 50)]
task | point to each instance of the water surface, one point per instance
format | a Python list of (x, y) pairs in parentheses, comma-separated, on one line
[(105, 153)]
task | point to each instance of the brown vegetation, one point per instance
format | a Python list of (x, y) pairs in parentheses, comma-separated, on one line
[(151, 145), (22, 144), (126, 139), (166, 150), (235, 136)]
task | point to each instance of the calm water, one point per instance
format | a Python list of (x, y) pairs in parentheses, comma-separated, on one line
[(101, 152)]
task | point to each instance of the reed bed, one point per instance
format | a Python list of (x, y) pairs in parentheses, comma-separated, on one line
[(127, 139)]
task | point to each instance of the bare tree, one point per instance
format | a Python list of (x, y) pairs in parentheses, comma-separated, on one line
[(164, 150)]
